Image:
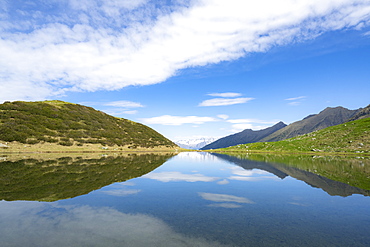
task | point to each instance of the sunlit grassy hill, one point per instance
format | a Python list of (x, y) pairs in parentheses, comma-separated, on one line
[(67, 124), (351, 137)]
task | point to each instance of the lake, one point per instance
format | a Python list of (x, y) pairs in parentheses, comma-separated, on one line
[(186, 199)]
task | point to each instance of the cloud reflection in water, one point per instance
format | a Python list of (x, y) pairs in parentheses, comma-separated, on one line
[(178, 176), (226, 201), (120, 189), (250, 175), (85, 226)]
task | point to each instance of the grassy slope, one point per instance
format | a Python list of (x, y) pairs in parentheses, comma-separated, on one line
[(351, 137), (62, 124)]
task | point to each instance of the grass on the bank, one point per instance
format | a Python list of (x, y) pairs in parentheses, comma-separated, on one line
[(16, 147), (350, 137)]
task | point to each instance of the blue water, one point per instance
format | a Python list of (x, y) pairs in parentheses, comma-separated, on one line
[(194, 199)]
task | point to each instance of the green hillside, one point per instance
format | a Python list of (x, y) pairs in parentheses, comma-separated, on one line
[(350, 137), (67, 124)]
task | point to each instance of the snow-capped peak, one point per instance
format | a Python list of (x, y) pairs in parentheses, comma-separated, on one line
[(195, 143)]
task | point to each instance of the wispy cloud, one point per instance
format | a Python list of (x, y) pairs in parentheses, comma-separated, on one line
[(296, 100), (224, 101), (121, 192), (178, 176), (226, 95), (95, 45), (178, 120), (294, 103), (117, 108), (223, 116), (224, 198), (250, 175), (124, 104)]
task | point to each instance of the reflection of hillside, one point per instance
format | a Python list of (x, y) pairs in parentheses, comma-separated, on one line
[(250, 164), (305, 169), (67, 177)]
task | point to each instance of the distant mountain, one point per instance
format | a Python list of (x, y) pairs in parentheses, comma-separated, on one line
[(246, 136), (195, 143), (326, 118), (68, 124), (361, 114), (349, 137)]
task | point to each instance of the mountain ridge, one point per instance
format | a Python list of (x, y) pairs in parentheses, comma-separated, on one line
[(243, 137), (328, 117), (348, 137)]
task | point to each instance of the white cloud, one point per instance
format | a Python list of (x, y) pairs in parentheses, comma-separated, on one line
[(250, 179), (178, 120), (294, 103), (242, 172), (223, 116), (250, 175), (178, 176), (296, 98), (124, 104), (226, 95), (224, 101), (225, 205), (224, 198), (120, 189), (121, 192), (223, 182), (130, 112), (94, 45)]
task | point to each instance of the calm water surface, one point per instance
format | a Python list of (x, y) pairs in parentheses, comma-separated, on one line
[(191, 199)]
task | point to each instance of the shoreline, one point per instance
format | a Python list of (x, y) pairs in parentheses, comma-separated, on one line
[(287, 152)]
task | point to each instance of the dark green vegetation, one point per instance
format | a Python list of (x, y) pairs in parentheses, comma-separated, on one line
[(66, 177), (71, 124), (352, 173), (350, 137), (326, 118)]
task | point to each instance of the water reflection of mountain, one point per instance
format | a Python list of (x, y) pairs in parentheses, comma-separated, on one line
[(51, 179), (282, 170)]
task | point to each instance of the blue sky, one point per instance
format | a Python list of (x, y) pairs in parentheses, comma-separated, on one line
[(202, 68)]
